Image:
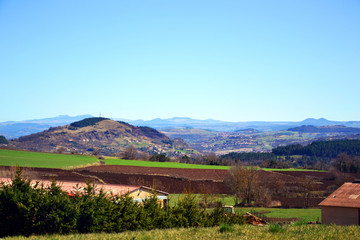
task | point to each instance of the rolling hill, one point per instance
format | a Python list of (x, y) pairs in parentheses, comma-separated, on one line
[(108, 137)]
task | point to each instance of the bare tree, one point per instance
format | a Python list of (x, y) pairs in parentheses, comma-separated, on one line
[(130, 153), (144, 156), (307, 184), (243, 182)]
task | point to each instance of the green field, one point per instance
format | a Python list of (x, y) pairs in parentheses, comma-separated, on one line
[(307, 215), (139, 163), (275, 232), (43, 160), (227, 200), (114, 161)]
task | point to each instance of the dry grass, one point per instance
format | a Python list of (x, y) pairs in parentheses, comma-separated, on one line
[(318, 232), (9, 172), (81, 166)]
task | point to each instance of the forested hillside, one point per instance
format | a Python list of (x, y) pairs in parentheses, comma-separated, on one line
[(322, 149), (344, 155)]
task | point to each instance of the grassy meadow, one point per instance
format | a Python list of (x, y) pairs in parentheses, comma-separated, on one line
[(139, 163), (274, 232), (306, 215), (43, 160)]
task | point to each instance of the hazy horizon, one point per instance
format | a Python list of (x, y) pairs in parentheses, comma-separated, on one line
[(232, 61), (175, 117)]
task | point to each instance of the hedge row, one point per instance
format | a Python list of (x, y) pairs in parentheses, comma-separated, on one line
[(27, 209)]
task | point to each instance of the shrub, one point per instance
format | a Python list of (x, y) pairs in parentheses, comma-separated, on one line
[(225, 228), (275, 228)]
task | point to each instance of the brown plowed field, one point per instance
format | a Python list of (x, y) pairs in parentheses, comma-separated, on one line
[(193, 174), (177, 183)]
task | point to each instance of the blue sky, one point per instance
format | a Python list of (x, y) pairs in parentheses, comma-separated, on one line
[(226, 60)]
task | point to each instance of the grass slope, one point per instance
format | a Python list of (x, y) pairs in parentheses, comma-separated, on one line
[(139, 163), (43, 160), (114, 161), (233, 232)]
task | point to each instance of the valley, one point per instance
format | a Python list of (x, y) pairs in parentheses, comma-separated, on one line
[(251, 140)]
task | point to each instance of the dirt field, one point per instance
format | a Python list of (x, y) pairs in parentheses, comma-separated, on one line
[(192, 174), (173, 182)]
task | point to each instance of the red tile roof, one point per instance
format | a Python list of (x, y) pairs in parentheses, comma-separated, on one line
[(348, 195), (72, 187)]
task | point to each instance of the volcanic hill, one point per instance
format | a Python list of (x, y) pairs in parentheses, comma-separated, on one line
[(97, 134)]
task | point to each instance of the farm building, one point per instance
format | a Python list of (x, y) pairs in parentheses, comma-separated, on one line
[(342, 207), (138, 193)]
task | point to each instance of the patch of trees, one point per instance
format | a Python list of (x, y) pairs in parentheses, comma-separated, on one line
[(86, 122), (264, 160), (347, 164), (323, 149), (3, 140), (159, 158), (26, 209), (207, 159), (253, 187), (252, 158)]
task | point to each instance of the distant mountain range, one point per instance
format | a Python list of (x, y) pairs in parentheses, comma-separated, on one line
[(336, 129), (15, 129), (220, 126)]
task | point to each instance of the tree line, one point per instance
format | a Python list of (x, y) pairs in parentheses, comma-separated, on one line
[(322, 149)]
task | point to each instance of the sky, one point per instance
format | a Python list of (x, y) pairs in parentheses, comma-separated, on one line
[(225, 60)]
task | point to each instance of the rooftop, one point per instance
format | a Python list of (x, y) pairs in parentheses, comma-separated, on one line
[(348, 195), (73, 187)]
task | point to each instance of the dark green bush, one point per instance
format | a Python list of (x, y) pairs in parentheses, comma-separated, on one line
[(27, 209), (3, 140), (225, 228), (274, 228), (87, 122)]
